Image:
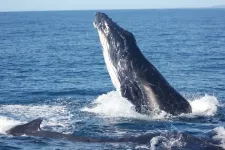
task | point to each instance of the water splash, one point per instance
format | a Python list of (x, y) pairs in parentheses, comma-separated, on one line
[(204, 106), (220, 135), (166, 142), (113, 104), (6, 123)]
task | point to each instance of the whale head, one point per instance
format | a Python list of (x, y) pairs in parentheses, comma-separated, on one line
[(117, 44)]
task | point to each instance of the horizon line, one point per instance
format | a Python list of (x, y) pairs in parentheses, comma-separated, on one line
[(111, 9)]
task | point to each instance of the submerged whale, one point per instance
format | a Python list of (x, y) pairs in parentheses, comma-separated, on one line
[(132, 74), (33, 128)]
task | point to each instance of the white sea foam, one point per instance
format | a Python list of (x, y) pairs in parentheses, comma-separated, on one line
[(166, 142), (204, 106), (113, 104), (142, 147), (55, 116), (220, 135), (6, 123)]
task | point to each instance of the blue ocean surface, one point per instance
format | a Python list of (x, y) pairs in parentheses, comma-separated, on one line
[(51, 66)]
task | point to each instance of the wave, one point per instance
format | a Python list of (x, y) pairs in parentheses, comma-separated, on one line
[(113, 104), (204, 106), (166, 142), (219, 136), (6, 123)]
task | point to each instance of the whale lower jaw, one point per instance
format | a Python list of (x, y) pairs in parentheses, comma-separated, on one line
[(109, 65)]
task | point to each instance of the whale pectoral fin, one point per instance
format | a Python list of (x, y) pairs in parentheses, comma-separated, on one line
[(131, 91)]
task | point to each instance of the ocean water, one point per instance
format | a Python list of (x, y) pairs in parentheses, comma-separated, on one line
[(51, 66)]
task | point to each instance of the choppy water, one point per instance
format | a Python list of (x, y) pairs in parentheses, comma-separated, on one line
[(51, 66)]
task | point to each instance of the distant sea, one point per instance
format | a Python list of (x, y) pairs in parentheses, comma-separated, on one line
[(51, 66)]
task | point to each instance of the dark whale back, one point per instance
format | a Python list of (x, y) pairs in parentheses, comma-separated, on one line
[(31, 126), (167, 97)]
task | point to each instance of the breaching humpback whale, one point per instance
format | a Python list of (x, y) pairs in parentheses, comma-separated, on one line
[(132, 74)]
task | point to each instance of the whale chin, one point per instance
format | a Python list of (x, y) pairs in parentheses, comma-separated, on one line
[(132, 74)]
